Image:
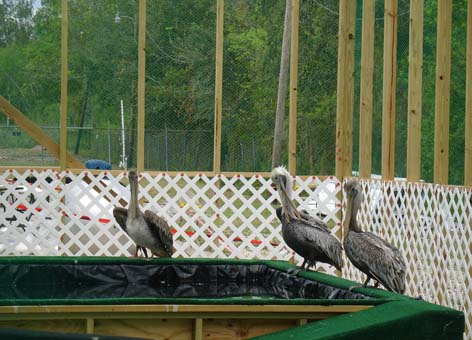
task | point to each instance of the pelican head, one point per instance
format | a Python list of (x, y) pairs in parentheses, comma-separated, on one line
[(352, 188), (281, 176), (283, 182), (132, 175)]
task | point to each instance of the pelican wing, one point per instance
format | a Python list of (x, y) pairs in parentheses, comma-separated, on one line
[(320, 238), (161, 230), (314, 222), (377, 258), (120, 214)]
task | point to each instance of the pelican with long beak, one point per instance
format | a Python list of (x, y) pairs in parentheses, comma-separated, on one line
[(305, 235), (147, 229), (369, 253)]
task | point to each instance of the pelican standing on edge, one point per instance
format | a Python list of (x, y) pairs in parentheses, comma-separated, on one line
[(148, 230), (308, 237), (369, 253)]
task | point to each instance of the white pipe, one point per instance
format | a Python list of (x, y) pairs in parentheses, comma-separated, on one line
[(123, 154)]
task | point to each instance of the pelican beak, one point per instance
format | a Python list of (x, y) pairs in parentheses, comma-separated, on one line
[(287, 204)]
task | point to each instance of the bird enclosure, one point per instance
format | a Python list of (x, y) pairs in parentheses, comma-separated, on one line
[(53, 213), (185, 92)]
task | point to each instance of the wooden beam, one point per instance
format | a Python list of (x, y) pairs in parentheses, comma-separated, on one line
[(218, 86), (292, 127), (367, 89), (64, 68), (345, 88), (42, 138), (442, 92), (389, 89), (141, 85), (178, 309), (415, 82), (468, 101), (37, 134)]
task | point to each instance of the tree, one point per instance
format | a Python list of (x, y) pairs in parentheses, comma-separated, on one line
[(282, 89)]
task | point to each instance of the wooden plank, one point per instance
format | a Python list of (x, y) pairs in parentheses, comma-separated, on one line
[(172, 329), (389, 89), (64, 68), (218, 86), (198, 329), (442, 92), (62, 325), (141, 85), (468, 129), (345, 88), (23, 169), (415, 77), (468, 102), (36, 133), (367, 89), (231, 329), (176, 309), (292, 127)]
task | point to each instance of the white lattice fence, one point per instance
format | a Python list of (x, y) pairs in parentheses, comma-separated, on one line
[(432, 226), (226, 217)]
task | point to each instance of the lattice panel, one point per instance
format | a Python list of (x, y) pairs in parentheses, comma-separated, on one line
[(226, 217), (431, 225), (30, 213)]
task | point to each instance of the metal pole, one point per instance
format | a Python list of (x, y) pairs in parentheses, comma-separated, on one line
[(123, 153)]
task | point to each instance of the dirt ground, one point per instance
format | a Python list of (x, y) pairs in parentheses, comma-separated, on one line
[(35, 156)]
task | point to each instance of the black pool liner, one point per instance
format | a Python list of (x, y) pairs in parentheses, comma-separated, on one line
[(180, 280)]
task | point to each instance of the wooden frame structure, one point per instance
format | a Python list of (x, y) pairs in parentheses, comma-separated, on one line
[(345, 91), (190, 321)]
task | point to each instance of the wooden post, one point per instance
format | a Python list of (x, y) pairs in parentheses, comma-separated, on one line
[(89, 325), (218, 86), (468, 124), (198, 329), (141, 85), (367, 88), (415, 74), (63, 119), (345, 88), (389, 89), (442, 94), (468, 101), (292, 128)]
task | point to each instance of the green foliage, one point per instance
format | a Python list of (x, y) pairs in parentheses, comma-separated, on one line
[(180, 73)]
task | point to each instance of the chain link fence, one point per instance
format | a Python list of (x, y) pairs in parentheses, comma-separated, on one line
[(180, 83), (180, 73), (30, 55)]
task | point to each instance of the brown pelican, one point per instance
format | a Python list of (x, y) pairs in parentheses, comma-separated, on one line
[(148, 230), (307, 236), (369, 253)]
